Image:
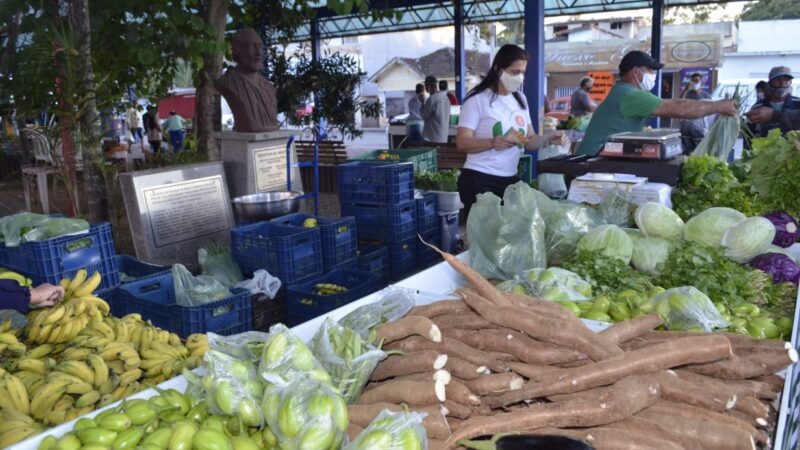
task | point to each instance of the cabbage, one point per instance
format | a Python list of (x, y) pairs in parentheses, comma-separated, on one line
[(771, 248), (656, 220), (610, 240), (786, 230), (649, 253), (748, 239), (708, 227), (781, 267)]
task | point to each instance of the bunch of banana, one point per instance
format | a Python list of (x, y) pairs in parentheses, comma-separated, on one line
[(163, 360), (13, 394), (16, 426), (329, 289), (80, 286), (9, 340), (197, 344)]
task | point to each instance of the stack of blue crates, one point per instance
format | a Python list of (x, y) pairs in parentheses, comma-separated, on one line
[(339, 240), (380, 195), (429, 230)]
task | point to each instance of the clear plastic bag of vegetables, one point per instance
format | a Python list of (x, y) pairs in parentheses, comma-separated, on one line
[(567, 223), (305, 414), (557, 284), (347, 357), (395, 302), (286, 356), (217, 261), (610, 240), (616, 207), (400, 430), (248, 345), (509, 238), (198, 290), (685, 308), (233, 388)]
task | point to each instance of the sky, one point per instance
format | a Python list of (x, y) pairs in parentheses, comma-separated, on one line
[(728, 12)]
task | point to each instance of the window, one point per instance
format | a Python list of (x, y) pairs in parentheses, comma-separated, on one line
[(616, 25), (559, 29), (349, 40)]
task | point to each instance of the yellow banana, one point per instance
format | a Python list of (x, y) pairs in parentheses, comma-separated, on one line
[(113, 350), (57, 416), (100, 368), (98, 302), (77, 368), (103, 328), (55, 314), (31, 365), (47, 397), (87, 399), (75, 283), (130, 376), (6, 402), (136, 317), (109, 386), (122, 332), (8, 338), (80, 388), (76, 354), (64, 283), (88, 286), (14, 436), (19, 395), (39, 351)]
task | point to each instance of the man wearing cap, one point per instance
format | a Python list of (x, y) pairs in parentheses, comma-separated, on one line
[(435, 112), (778, 102), (629, 104)]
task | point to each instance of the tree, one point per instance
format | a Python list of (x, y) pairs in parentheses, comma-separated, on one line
[(772, 10), (215, 15), (691, 14)]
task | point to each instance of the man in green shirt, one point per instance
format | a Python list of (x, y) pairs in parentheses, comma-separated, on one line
[(629, 104)]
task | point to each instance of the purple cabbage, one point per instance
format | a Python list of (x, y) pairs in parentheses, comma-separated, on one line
[(787, 230), (781, 267)]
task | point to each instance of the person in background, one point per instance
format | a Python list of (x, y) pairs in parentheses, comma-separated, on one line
[(666, 89), (547, 107), (761, 89), (629, 104), (450, 95), (494, 128), (22, 298), (694, 89), (414, 121), (175, 126), (134, 125), (778, 99), (152, 129), (580, 103), (436, 113)]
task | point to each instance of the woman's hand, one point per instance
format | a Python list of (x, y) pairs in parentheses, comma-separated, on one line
[(46, 295), (502, 143), (558, 138)]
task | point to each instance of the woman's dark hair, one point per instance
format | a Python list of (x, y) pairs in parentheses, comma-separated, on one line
[(502, 60)]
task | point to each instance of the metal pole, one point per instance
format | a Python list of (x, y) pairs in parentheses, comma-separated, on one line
[(458, 24), (534, 75), (655, 49)]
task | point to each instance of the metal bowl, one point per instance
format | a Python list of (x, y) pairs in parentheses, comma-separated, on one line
[(266, 205)]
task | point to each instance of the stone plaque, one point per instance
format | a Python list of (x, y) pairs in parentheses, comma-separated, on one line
[(173, 211), (179, 212), (269, 165)]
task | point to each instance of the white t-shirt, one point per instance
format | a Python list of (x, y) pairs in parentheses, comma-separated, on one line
[(489, 118)]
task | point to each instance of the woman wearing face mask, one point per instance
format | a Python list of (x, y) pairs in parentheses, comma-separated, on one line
[(630, 104), (494, 128)]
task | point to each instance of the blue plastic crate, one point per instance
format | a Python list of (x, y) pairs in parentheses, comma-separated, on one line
[(289, 253), (349, 264), (375, 183), (154, 299), (402, 258), (427, 211), (131, 269), (448, 223), (54, 259), (374, 259), (303, 303), (339, 239), (427, 256), (387, 223)]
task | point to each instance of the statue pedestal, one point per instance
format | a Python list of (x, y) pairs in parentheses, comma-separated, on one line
[(256, 162)]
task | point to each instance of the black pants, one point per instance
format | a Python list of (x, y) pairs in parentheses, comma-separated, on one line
[(471, 183)]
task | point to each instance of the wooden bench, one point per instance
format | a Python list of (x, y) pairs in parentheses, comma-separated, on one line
[(331, 154), (447, 156)]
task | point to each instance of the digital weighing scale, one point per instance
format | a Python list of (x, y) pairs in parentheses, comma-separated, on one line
[(660, 144)]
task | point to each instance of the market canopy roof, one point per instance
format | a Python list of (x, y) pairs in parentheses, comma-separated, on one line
[(418, 14)]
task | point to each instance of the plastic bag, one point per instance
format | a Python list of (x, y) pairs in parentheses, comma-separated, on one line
[(216, 260), (685, 308), (305, 414), (616, 207), (347, 357), (567, 223), (233, 388), (196, 291), (400, 430), (14, 226), (53, 227), (552, 184), (287, 357), (649, 253), (18, 320), (395, 302), (506, 239), (261, 283), (246, 346)]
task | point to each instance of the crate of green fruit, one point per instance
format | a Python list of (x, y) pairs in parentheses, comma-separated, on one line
[(424, 159)]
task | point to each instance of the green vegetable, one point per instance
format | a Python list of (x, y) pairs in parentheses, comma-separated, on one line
[(774, 169), (657, 220), (400, 430), (609, 240), (649, 253), (606, 274), (707, 182), (708, 227), (722, 135), (748, 239), (685, 308), (443, 180)]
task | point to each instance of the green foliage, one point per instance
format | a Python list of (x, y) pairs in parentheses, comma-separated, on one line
[(771, 10), (442, 180), (707, 182), (607, 274), (774, 171)]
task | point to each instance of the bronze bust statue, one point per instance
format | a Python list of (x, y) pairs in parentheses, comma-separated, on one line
[(249, 94)]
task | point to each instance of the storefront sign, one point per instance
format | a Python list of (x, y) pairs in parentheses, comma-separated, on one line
[(705, 75), (605, 55), (603, 82)]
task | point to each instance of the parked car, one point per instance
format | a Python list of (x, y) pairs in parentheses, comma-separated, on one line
[(559, 108)]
